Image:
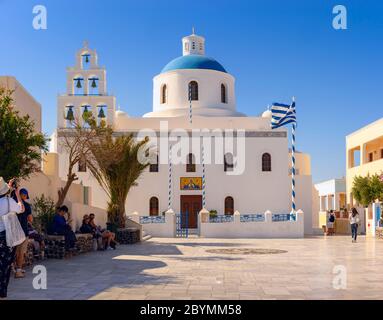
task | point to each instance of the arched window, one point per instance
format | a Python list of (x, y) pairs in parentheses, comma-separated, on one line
[(85, 60), (190, 164), (164, 94), (193, 91), (223, 93), (93, 84), (86, 115), (228, 162), (78, 85), (153, 204), (229, 205), (266, 162)]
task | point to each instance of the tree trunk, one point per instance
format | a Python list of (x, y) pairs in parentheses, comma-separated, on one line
[(63, 191), (121, 214)]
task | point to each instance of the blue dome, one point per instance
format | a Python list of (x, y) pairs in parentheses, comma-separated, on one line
[(193, 62)]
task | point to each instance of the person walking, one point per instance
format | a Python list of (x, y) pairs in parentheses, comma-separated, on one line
[(354, 221), (331, 223), (7, 254), (24, 219)]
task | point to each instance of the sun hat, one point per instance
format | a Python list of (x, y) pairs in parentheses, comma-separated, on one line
[(4, 188)]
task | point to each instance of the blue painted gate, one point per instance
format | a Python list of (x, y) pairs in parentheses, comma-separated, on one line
[(182, 225)]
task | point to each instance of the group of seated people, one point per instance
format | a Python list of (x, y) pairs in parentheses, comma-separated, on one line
[(105, 238), (61, 226)]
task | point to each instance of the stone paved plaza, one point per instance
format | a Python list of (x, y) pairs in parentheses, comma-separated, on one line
[(183, 269)]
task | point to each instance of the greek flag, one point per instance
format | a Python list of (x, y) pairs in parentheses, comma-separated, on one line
[(282, 114)]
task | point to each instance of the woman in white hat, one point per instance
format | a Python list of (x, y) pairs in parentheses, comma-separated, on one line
[(7, 254)]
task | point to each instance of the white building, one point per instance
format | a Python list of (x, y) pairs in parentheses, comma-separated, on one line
[(332, 194), (261, 158)]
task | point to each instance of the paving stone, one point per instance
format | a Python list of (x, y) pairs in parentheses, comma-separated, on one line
[(182, 269)]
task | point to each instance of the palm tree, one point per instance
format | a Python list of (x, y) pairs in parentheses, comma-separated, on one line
[(116, 165)]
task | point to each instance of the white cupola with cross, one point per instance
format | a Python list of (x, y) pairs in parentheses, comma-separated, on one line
[(194, 79), (86, 92), (193, 44)]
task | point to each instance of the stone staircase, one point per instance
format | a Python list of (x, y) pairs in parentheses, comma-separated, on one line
[(145, 236)]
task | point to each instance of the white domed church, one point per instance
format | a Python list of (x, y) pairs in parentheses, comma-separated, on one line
[(241, 173), (213, 92)]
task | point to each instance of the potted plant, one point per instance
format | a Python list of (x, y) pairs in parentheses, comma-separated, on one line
[(213, 214)]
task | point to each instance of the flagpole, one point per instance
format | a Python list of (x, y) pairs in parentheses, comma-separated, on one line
[(293, 209), (190, 105), (203, 178), (170, 179)]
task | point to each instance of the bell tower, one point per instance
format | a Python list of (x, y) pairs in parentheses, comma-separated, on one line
[(86, 92), (193, 44)]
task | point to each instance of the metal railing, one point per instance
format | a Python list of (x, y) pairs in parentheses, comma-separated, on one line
[(152, 219), (257, 217), (278, 217), (221, 219)]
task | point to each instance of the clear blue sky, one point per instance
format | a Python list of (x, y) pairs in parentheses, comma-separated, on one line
[(275, 49)]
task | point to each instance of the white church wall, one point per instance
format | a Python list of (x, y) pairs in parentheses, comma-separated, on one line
[(253, 191), (303, 200), (209, 89), (265, 229), (162, 226)]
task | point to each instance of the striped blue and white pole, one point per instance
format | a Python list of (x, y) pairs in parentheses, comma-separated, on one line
[(203, 177), (282, 115), (190, 105), (293, 210), (170, 179)]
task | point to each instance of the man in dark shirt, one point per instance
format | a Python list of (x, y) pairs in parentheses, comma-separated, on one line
[(61, 227), (21, 249)]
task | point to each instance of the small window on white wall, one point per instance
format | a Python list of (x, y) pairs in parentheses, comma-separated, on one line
[(193, 91), (223, 93), (266, 162), (164, 94)]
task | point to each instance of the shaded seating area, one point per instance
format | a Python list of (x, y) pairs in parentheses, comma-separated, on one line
[(55, 246)]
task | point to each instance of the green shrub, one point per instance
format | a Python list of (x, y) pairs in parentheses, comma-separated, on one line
[(43, 213)]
